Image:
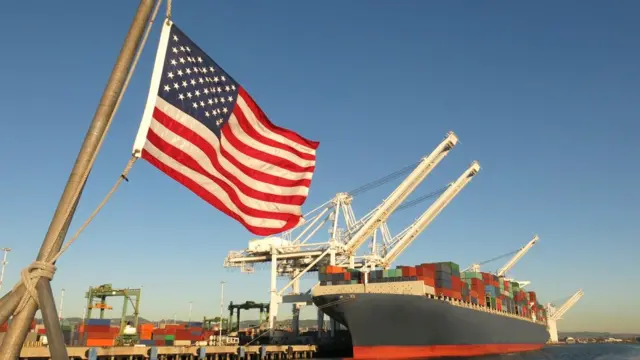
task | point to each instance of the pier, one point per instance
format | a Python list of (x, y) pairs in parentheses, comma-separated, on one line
[(177, 352)]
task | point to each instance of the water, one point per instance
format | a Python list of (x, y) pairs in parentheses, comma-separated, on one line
[(570, 352)]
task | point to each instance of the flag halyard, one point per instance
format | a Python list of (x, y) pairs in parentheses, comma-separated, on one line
[(203, 129)]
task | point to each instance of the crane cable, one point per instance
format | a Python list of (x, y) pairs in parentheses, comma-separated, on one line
[(422, 198), (383, 180), (499, 257)]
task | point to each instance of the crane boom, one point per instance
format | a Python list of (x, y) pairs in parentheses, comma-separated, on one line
[(517, 256), (554, 315), (559, 312), (430, 214), (390, 204)]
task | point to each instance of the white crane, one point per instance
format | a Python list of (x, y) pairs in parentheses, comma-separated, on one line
[(401, 241), (391, 203), (4, 264), (292, 255), (511, 263), (517, 256), (554, 314)]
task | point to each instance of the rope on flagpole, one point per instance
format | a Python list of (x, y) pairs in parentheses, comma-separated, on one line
[(169, 9), (30, 275)]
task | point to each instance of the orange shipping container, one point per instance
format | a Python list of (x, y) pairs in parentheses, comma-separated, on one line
[(100, 342)]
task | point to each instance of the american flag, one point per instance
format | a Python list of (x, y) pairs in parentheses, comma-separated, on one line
[(203, 129)]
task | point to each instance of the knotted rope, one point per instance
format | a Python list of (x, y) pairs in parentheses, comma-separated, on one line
[(29, 278)]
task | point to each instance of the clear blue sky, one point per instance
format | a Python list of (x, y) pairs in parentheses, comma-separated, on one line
[(544, 95)]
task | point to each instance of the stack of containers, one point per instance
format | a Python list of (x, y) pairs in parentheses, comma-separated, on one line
[(456, 282), (337, 275), (427, 273), (145, 334), (167, 335), (444, 282), (389, 275), (466, 295), (409, 273), (476, 287), (490, 290), (99, 332)]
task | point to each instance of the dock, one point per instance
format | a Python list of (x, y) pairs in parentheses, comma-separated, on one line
[(177, 352)]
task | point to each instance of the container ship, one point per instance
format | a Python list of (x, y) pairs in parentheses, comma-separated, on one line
[(431, 310)]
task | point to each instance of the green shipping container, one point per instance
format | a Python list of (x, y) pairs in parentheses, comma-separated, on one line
[(471, 275), (169, 337)]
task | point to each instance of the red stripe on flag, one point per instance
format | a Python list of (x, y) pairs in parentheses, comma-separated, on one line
[(253, 133), (214, 201), (274, 128), (213, 154), (186, 160), (261, 155)]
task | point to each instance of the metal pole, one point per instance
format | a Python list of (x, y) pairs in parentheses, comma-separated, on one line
[(55, 338), (221, 311), (4, 264), (14, 338), (190, 308)]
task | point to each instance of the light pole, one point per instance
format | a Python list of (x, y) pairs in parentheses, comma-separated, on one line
[(221, 310), (61, 302), (4, 263), (190, 308)]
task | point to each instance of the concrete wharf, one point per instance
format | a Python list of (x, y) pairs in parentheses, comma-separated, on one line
[(177, 352)]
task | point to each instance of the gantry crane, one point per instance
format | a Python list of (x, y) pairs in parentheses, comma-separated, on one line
[(104, 291), (291, 255), (401, 241), (511, 263), (554, 314), (400, 194)]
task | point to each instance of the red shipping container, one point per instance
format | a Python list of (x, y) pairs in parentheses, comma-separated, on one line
[(96, 328), (426, 272), (456, 284), (428, 281), (412, 271), (42, 331), (101, 335), (429, 266)]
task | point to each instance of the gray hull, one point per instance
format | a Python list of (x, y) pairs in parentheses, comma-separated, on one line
[(404, 326)]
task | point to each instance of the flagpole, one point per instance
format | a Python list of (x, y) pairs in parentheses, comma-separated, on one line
[(52, 243)]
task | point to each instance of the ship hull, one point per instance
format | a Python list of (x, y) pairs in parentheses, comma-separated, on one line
[(395, 326)]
